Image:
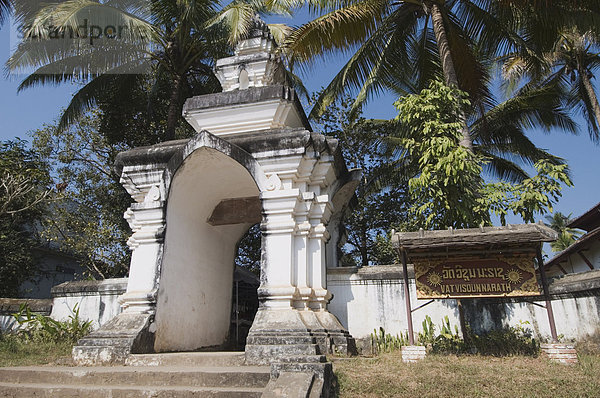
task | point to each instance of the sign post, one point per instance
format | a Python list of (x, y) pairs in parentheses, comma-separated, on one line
[(475, 263), (547, 296), (411, 335)]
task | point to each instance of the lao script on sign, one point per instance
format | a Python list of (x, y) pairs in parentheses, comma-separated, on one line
[(500, 277)]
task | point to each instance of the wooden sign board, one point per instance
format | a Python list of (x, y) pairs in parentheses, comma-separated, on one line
[(512, 276)]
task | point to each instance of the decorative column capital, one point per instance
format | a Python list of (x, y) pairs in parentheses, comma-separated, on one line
[(145, 183)]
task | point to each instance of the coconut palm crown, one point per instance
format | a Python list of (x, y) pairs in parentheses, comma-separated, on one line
[(180, 39)]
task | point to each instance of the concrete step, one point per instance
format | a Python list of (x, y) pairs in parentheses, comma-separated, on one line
[(281, 340), (147, 376), (302, 359), (53, 390), (187, 359)]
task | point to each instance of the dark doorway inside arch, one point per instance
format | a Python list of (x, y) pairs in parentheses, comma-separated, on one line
[(246, 280)]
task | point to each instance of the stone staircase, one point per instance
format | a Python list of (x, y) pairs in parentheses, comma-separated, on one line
[(174, 375)]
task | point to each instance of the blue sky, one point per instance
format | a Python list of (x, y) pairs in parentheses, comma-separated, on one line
[(30, 109)]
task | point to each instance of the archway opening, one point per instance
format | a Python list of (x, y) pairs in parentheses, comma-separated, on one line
[(213, 201), (246, 280)]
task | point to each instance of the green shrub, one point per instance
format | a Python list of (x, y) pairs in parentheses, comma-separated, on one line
[(448, 341), (511, 340), (40, 328), (427, 335), (385, 342), (508, 341)]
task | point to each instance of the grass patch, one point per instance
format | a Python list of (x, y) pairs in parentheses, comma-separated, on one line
[(41, 340), (467, 376), (15, 351)]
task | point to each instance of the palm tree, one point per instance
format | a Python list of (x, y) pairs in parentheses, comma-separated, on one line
[(566, 236), (575, 62), (557, 52), (180, 39), (402, 45)]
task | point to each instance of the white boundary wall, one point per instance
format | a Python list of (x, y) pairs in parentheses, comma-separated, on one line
[(368, 298), (96, 300)]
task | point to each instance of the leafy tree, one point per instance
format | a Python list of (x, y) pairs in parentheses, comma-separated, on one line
[(448, 190), (24, 193), (87, 218), (380, 198)]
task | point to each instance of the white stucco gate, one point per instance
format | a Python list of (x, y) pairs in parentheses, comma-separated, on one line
[(254, 159)]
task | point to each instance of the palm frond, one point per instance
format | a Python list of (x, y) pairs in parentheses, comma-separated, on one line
[(340, 29), (386, 43), (5, 9), (501, 168), (280, 32), (237, 17), (85, 98)]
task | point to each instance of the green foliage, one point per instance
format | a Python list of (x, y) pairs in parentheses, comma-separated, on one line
[(566, 236), (40, 328), (24, 194), (87, 217), (448, 187), (383, 251), (531, 196), (448, 190), (427, 335), (446, 341), (512, 340), (385, 342), (249, 250), (381, 200)]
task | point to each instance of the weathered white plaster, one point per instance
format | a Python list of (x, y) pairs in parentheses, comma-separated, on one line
[(197, 267), (364, 301), (241, 118), (146, 218), (97, 301), (254, 65)]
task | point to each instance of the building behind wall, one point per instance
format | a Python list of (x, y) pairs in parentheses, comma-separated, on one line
[(584, 254)]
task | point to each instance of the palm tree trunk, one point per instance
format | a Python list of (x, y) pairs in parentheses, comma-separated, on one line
[(174, 108), (447, 64), (443, 46), (591, 94)]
